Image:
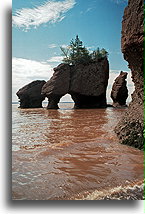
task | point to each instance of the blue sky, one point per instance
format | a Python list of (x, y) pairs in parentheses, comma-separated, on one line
[(41, 27)]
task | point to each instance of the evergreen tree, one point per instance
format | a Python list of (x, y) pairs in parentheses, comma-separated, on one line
[(77, 53), (104, 53)]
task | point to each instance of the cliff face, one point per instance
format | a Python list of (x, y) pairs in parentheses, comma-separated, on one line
[(130, 128), (85, 83), (30, 95), (119, 91)]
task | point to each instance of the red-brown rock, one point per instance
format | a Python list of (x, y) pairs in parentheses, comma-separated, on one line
[(57, 86), (89, 83), (130, 128), (30, 95), (86, 83), (119, 91)]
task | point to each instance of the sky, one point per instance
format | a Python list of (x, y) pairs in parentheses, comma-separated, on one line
[(40, 27)]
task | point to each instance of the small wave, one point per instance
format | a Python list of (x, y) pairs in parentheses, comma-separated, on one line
[(132, 191)]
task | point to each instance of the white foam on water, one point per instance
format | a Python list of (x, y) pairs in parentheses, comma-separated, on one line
[(100, 195)]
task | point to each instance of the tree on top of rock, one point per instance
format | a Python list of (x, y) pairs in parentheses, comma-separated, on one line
[(99, 54), (77, 53)]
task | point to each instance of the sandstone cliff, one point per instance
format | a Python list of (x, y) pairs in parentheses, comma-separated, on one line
[(130, 128)]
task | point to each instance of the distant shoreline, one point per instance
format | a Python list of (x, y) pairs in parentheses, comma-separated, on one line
[(61, 102), (43, 102)]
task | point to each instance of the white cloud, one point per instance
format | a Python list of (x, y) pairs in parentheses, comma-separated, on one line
[(89, 9), (52, 46), (25, 71), (64, 46), (90, 48), (57, 59), (49, 12)]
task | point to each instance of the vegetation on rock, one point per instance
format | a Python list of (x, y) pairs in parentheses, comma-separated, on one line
[(77, 53)]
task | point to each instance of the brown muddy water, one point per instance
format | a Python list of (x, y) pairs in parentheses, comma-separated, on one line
[(69, 154)]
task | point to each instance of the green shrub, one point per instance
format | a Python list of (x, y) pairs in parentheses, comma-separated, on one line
[(77, 53)]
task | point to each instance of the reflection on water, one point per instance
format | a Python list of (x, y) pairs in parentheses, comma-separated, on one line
[(60, 154)]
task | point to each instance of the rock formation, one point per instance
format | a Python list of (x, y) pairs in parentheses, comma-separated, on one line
[(30, 95), (130, 128), (57, 86), (119, 91), (89, 83), (86, 83)]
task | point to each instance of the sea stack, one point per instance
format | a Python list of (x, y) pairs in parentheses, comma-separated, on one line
[(89, 83), (86, 83), (119, 91), (130, 128), (30, 95)]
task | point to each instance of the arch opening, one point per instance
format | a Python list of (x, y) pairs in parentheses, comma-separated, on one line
[(66, 102), (66, 99)]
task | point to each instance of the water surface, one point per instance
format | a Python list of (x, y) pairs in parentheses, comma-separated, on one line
[(68, 153)]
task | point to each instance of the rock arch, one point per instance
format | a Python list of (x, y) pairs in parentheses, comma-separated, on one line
[(86, 84), (66, 98)]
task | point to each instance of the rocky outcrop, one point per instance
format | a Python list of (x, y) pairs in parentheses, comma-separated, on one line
[(57, 86), (30, 95), (89, 83), (86, 83), (119, 91), (130, 128)]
